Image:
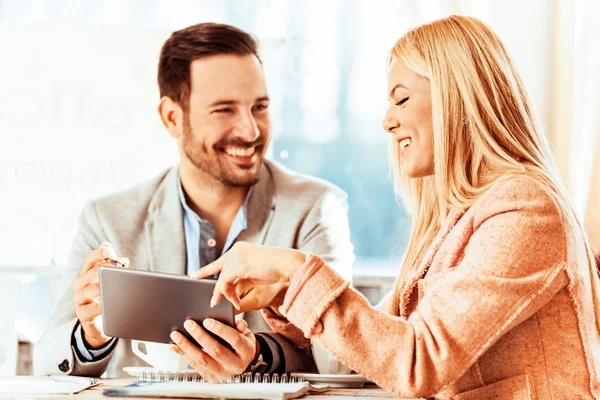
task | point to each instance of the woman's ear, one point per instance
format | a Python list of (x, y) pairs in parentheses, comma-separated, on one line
[(171, 115)]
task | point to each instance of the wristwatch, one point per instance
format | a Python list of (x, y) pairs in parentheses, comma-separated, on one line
[(258, 366)]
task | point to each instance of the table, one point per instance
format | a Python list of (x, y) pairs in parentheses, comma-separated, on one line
[(368, 392)]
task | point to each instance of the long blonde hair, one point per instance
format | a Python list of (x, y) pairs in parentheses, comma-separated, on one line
[(484, 129)]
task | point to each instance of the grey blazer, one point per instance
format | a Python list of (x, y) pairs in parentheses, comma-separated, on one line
[(145, 223)]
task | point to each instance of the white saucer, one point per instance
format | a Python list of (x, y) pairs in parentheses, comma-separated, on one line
[(334, 380), (138, 371)]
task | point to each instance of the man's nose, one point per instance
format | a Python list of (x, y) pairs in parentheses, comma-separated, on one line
[(247, 128)]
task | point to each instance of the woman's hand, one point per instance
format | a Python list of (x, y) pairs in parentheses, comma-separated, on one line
[(256, 297), (253, 276)]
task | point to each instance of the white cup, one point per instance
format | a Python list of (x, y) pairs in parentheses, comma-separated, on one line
[(159, 356), (325, 362)]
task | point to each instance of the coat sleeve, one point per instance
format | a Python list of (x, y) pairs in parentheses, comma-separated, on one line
[(55, 352)]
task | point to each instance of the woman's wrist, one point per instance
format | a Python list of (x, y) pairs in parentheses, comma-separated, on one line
[(312, 263), (278, 302), (288, 264), (294, 261)]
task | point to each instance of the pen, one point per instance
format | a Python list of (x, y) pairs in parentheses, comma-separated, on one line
[(110, 261)]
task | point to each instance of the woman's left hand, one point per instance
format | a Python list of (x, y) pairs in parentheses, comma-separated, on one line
[(257, 274)]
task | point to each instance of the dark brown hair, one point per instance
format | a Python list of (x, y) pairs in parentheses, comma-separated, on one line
[(194, 42)]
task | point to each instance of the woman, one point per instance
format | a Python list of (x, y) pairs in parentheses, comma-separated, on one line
[(497, 296)]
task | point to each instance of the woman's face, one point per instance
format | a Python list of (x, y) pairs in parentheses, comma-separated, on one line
[(409, 119)]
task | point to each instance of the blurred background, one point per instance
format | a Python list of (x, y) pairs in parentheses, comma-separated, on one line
[(78, 116)]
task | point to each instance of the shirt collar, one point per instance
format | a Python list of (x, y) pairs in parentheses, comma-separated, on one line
[(241, 216)]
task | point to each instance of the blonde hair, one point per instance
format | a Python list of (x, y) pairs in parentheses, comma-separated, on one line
[(484, 130)]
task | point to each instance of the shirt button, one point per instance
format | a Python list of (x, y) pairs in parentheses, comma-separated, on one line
[(211, 242)]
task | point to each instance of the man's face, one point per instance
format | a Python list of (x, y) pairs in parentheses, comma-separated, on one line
[(227, 127)]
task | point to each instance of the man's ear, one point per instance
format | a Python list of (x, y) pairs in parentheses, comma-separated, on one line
[(171, 115)]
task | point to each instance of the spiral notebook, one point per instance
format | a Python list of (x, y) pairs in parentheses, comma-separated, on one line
[(192, 385)]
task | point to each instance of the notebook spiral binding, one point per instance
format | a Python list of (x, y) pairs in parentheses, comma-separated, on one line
[(248, 377)]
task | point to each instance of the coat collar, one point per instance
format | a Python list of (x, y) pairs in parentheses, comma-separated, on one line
[(261, 207), (164, 228)]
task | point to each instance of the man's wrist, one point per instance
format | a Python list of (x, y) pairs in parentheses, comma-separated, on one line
[(272, 353), (257, 351), (94, 344), (258, 364), (83, 350)]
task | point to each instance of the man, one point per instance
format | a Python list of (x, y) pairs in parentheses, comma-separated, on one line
[(214, 102)]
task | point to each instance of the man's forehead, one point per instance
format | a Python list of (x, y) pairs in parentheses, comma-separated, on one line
[(227, 77), (225, 69)]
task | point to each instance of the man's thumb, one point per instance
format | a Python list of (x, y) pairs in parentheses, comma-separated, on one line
[(241, 325)]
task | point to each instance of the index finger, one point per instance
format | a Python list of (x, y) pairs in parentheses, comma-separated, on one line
[(211, 269), (104, 251), (226, 287)]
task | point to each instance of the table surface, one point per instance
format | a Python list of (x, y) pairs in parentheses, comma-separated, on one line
[(95, 392)]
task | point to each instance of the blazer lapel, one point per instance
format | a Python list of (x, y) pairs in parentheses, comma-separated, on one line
[(408, 298), (164, 228), (261, 207)]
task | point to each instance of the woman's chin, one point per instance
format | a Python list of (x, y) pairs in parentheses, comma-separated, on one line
[(413, 172)]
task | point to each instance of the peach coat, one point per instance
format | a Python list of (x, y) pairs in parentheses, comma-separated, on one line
[(499, 308)]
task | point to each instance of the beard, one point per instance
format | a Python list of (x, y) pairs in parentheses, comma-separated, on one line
[(216, 164)]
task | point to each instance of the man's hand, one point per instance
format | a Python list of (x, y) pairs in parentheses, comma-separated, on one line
[(214, 361), (86, 295)]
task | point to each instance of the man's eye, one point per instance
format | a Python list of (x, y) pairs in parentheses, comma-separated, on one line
[(261, 107), (224, 110), (404, 100)]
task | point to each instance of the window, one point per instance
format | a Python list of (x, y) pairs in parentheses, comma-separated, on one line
[(85, 124)]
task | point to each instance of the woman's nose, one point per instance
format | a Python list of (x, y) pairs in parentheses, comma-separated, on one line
[(390, 122)]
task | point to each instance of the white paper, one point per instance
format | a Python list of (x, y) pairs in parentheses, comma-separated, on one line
[(40, 386)]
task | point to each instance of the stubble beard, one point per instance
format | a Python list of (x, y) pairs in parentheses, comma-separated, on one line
[(216, 164)]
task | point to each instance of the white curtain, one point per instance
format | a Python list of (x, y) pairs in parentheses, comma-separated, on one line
[(574, 125)]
